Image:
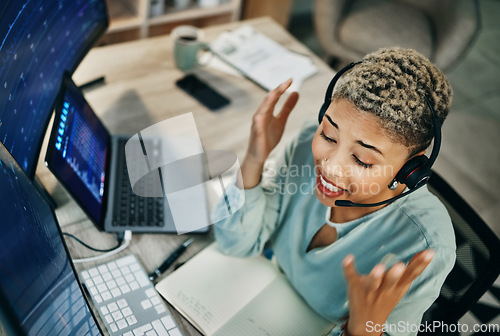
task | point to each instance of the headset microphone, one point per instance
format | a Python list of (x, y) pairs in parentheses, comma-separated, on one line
[(415, 173), (345, 203)]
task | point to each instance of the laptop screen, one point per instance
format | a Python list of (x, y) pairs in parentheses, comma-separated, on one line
[(39, 288), (78, 150)]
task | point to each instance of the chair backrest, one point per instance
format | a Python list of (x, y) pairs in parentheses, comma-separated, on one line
[(441, 30), (478, 258)]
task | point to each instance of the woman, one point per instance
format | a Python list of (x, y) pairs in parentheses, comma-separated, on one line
[(380, 267)]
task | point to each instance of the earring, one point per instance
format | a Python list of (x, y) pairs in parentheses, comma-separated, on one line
[(393, 185), (325, 159)]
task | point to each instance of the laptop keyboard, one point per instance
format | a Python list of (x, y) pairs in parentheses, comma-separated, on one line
[(127, 301), (132, 210)]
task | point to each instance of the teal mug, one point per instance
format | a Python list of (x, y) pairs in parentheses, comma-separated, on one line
[(188, 42)]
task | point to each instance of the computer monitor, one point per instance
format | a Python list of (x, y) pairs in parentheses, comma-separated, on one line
[(39, 290), (39, 40)]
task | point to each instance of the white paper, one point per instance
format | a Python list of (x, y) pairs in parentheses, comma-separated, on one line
[(261, 59)]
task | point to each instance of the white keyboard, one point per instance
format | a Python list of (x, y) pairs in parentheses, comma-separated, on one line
[(127, 301)]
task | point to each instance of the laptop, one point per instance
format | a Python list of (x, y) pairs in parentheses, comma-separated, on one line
[(39, 290), (90, 163)]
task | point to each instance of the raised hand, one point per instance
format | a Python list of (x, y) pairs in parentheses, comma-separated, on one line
[(267, 130), (372, 297)]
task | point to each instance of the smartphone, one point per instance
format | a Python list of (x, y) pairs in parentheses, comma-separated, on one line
[(202, 92)]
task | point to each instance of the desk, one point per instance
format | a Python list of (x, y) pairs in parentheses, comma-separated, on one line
[(140, 91)]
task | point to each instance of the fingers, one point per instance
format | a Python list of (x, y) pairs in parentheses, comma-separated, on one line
[(376, 276), (350, 272), (290, 103), (273, 97), (417, 265), (392, 277)]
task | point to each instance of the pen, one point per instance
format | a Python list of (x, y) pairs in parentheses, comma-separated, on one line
[(170, 260)]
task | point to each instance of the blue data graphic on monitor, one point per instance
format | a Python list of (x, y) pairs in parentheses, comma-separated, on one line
[(37, 279), (81, 145), (39, 40)]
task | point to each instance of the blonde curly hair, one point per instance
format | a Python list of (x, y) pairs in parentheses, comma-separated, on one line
[(392, 84)]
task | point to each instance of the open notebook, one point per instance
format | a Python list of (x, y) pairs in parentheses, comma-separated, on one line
[(227, 296)]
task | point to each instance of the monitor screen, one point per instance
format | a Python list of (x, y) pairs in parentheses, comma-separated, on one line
[(39, 40), (78, 148), (38, 283)]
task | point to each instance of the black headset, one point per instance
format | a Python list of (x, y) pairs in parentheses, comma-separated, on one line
[(416, 172)]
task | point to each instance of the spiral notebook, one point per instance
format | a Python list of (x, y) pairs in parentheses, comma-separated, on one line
[(227, 296)]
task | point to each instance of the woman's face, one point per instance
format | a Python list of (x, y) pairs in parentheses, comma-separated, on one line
[(355, 159)]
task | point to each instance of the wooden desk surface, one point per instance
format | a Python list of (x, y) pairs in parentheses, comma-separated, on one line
[(140, 91)]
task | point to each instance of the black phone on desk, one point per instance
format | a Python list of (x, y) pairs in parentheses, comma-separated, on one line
[(202, 92)]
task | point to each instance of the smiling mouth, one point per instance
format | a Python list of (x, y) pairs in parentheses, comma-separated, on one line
[(327, 188)]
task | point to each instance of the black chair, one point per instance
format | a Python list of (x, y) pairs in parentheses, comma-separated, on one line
[(478, 258)]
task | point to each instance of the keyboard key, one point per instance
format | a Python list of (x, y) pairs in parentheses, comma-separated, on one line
[(122, 303), (108, 318), (102, 269), (146, 304), (116, 292), (120, 281), (155, 300), (160, 309), (112, 265), (150, 292), (112, 307), (85, 275), (117, 315), (151, 333), (89, 283), (168, 322), (121, 324), (111, 284), (127, 311), (98, 298), (130, 277), (93, 291), (107, 276), (134, 285), (102, 288), (125, 289), (106, 296), (113, 327), (146, 327), (159, 328), (131, 320), (98, 279), (104, 310), (128, 333), (174, 332), (142, 280)]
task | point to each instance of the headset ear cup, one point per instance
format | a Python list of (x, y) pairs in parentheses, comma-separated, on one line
[(414, 172), (322, 112)]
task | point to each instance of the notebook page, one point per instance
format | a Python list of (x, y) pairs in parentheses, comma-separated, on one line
[(211, 287), (277, 311)]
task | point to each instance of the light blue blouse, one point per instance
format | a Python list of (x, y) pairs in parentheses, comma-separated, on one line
[(284, 210)]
